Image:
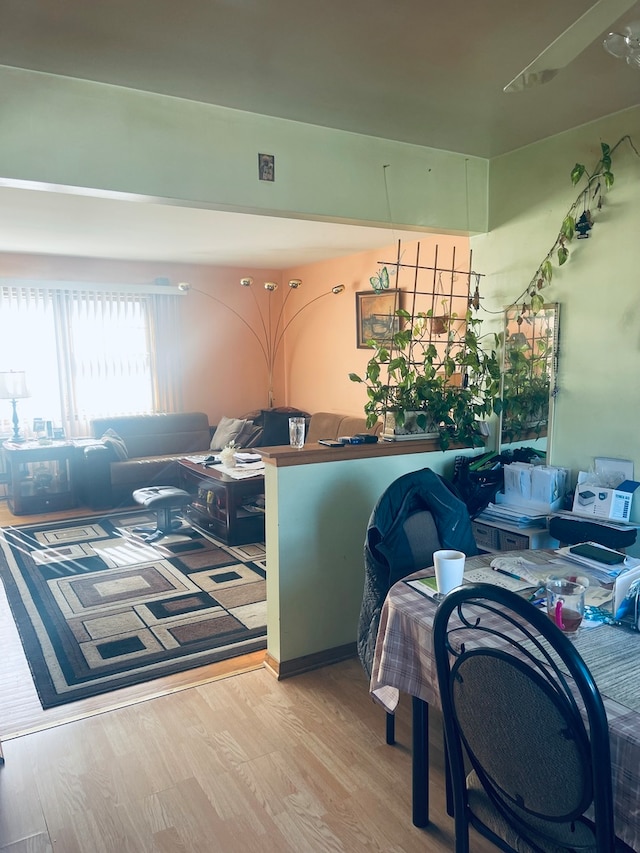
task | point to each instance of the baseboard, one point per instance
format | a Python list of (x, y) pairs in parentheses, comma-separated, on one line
[(296, 666)]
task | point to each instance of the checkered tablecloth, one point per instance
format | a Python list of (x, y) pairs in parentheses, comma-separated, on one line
[(404, 663)]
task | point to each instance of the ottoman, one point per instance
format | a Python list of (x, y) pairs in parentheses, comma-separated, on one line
[(163, 500)]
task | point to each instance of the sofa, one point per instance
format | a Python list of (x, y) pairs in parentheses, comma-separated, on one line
[(135, 451)]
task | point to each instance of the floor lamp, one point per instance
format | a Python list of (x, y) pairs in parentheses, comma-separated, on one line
[(13, 386), (269, 332)]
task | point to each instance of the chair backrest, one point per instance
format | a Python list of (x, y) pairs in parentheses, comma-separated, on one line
[(521, 707), (422, 538), (417, 513)]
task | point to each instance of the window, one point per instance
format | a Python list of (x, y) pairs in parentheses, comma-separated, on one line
[(87, 352)]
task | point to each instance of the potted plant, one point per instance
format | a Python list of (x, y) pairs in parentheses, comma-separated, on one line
[(444, 390)]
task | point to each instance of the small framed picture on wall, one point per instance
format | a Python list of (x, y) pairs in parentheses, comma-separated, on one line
[(376, 317), (266, 167)]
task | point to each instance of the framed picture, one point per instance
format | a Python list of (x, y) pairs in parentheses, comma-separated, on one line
[(266, 167), (375, 316)]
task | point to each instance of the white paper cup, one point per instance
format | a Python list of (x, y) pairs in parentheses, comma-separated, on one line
[(449, 566)]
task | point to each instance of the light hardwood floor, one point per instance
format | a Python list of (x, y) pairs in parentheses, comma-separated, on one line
[(242, 763)]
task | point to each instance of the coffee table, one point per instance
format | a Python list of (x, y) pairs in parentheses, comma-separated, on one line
[(222, 505)]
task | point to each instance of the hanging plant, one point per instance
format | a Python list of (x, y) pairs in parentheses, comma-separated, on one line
[(440, 323), (532, 299)]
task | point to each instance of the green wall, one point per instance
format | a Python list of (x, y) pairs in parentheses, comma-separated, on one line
[(316, 523), (67, 132), (597, 410)]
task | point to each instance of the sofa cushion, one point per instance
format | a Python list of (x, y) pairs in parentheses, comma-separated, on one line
[(145, 471), (323, 425), (332, 425), (249, 435), (116, 445), (227, 430), (352, 425)]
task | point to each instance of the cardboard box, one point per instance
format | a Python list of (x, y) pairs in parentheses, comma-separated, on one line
[(596, 501)]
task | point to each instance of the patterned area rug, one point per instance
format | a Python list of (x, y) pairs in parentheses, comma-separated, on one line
[(97, 608)]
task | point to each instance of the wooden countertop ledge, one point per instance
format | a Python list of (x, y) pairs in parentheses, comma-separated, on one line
[(284, 456)]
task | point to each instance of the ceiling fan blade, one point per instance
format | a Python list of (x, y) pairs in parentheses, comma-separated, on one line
[(570, 43)]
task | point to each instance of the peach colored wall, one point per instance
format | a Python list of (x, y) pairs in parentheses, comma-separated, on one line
[(321, 346), (224, 369)]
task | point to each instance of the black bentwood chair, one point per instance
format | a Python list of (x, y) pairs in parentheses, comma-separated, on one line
[(511, 686)]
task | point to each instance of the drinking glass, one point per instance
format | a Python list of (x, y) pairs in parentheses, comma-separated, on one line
[(449, 566), (565, 604), (296, 432)]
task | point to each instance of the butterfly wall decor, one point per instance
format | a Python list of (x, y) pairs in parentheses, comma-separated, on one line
[(380, 281)]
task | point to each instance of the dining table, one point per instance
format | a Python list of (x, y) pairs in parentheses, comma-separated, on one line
[(404, 663)]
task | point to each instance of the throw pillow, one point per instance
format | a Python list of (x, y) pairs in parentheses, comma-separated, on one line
[(249, 435), (227, 430), (112, 440)]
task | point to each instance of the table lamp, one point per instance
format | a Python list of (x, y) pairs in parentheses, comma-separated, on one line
[(13, 386)]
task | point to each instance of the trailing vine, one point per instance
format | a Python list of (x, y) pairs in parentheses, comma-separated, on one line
[(531, 300)]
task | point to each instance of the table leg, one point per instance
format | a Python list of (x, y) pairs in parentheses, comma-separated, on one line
[(420, 762)]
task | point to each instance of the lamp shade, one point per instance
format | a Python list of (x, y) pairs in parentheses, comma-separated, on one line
[(13, 385)]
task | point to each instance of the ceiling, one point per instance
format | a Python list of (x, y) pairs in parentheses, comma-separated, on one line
[(413, 70)]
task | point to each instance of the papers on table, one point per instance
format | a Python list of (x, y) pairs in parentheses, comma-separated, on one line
[(247, 464), (426, 586), (244, 456), (497, 578), (514, 515), (600, 571), (523, 569), (242, 472), (512, 573)]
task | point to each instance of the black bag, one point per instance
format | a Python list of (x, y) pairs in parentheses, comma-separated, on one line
[(478, 488)]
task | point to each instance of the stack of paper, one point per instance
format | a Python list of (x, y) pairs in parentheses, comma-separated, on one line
[(512, 514), (600, 571), (243, 456), (242, 472)]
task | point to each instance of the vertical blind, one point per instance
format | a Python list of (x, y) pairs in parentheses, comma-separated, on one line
[(89, 351)]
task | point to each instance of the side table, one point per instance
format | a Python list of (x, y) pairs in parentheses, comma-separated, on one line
[(41, 476)]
